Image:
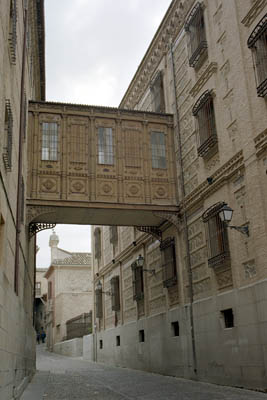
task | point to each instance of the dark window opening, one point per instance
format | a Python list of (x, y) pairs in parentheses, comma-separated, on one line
[(158, 150), (167, 247), (49, 141), (105, 146), (115, 293), (118, 340), (49, 290), (175, 328), (138, 282), (141, 335), (97, 235), (7, 151), (228, 318), (196, 36), (98, 303), (203, 111), (157, 91), (257, 42), (218, 245), (101, 344), (113, 231), (12, 39)]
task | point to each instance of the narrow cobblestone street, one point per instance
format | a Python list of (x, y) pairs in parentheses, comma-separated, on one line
[(64, 378)]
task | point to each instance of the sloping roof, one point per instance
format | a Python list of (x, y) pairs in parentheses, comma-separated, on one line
[(75, 259)]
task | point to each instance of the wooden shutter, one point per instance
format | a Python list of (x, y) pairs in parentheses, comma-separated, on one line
[(115, 293), (168, 262)]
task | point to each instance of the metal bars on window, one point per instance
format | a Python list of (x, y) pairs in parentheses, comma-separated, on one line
[(7, 151), (203, 110), (138, 282), (13, 31), (167, 247), (158, 150), (257, 42), (115, 293), (195, 27), (105, 146), (218, 245), (98, 303), (22, 188), (49, 141), (78, 144)]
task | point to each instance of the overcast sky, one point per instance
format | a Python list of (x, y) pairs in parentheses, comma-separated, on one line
[(93, 49)]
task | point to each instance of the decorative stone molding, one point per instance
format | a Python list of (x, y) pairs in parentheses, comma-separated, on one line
[(151, 230), (218, 178), (261, 142), (170, 28), (212, 67), (255, 10), (173, 218), (35, 211)]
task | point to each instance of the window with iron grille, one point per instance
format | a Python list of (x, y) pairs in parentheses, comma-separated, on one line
[(105, 146), (167, 247), (24, 116), (12, 39), (7, 151), (158, 150), (98, 303), (257, 42), (157, 92), (113, 234), (115, 293), (97, 234), (196, 36), (203, 111), (218, 245), (38, 289), (138, 282), (49, 141)]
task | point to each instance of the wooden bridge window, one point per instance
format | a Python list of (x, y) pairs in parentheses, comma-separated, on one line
[(49, 141), (167, 248), (132, 149), (158, 150), (105, 146)]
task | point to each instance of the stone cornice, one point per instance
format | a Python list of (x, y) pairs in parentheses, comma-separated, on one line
[(167, 32), (257, 7), (211, 68), (204, 190), (261, 143)]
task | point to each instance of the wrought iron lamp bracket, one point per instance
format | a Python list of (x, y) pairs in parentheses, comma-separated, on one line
[(242, 229)]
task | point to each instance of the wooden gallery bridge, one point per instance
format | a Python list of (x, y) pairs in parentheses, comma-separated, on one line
[(99, 165)]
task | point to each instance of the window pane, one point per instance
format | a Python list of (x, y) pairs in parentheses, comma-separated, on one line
[(49, 141), (105, 146), (158, 150)]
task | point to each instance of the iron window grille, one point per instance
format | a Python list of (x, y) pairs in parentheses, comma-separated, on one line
[(97, 234), (49, 294), (113, 232), (22, 188), (7, 153), (257, 42), (203, 111), (138, 282), (115, 293), (167, 247), (157, 91), (196, 36), (98, 303), (105, 146), (49, 141), (218, 244), (12, 39), (158, 150), (133, 148)]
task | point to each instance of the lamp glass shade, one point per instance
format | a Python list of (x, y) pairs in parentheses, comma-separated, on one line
[(226, 213), (140, 261), (98, 286)]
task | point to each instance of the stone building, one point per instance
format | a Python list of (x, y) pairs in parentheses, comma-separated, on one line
[(22, 78), (69, 280), (40, 299), (189, 297)]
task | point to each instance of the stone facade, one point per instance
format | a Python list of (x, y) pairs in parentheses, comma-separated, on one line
[(69, 280), (22, 78), (210, 322), (40, 299)]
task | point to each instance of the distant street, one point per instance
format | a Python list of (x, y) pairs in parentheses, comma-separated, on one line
[(64, 378)]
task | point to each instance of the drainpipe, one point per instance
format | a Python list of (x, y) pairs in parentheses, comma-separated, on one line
[(186, 236), (20, 155)]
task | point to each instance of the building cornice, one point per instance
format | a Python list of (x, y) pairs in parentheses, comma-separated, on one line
[(170, 27)]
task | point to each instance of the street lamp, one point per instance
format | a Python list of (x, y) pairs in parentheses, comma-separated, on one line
[(98, 288), (139, 262), (226, 214)]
